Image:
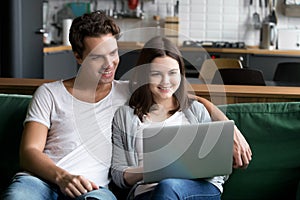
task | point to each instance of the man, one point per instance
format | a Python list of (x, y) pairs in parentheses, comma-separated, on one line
[(65, 150)]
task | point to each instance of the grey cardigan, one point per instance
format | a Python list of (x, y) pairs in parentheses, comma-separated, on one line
[(124, 130)]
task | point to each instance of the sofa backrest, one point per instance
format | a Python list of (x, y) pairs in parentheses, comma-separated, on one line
[(12, 114), (273, 132)]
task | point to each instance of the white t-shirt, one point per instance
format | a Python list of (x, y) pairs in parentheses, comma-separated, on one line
[(79, 136)]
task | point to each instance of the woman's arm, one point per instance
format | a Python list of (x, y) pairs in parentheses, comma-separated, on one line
[(242, 154), (125, 170)]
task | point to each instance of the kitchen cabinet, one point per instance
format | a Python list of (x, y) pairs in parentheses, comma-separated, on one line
[(268, 63), (128, 58), (20, 38), (193, 61), (60, 65), (261, 59)]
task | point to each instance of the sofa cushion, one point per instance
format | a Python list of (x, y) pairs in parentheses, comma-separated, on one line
[(12, 114), (273, 132)]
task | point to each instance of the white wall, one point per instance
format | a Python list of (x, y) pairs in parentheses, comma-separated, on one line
[(229, 20), (217, 20)]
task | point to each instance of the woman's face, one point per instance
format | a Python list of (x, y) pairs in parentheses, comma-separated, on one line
[(164, 78)]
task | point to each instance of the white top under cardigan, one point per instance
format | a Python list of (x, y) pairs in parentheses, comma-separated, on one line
[(177, 118)]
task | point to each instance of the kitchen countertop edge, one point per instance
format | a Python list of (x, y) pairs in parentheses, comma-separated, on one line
[(137, 45)]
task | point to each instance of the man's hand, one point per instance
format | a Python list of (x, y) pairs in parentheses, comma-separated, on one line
[(242, 154), (74, 185)]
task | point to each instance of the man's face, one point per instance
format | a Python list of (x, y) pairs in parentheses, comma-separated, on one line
[(100, 58)]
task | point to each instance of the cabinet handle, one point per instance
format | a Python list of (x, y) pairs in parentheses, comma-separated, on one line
[(40, 31)]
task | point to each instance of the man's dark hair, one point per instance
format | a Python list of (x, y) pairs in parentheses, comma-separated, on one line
[(92, 24)]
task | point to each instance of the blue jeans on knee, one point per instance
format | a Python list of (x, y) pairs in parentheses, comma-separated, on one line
[(30, 187), (185, 189)]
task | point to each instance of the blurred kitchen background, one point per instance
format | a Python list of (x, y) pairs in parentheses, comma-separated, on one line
[(211, 20), (31, 29)]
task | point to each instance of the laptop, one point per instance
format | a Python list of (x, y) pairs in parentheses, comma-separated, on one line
[(188, 151)]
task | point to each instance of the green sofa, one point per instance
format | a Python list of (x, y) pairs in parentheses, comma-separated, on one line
[(272, 130)]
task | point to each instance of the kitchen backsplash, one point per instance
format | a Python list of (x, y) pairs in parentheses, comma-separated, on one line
[(202, 20)]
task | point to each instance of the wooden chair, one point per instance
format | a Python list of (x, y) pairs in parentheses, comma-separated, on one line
[(239, 76), (210, 66)]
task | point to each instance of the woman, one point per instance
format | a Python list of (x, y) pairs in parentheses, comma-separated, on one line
[(159, 98)]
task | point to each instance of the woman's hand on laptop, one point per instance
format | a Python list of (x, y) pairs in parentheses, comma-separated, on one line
[(242, 154), (132, 175)]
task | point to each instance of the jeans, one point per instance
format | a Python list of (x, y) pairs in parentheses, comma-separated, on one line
[(185, 189), (30, 187)]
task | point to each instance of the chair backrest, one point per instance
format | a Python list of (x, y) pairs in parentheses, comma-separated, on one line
[(210, 66), (288, 72), (239, 76)]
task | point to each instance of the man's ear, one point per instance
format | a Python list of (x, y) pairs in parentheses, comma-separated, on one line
[(78, 58)]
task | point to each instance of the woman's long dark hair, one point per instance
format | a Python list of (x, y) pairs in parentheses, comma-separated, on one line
[(142, 99)]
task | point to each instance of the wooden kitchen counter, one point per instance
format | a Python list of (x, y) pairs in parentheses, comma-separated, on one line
[(218, 94), (121, 45), (20, 85), (229, 94), (57, 48), (138, 45), (249, 50)]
